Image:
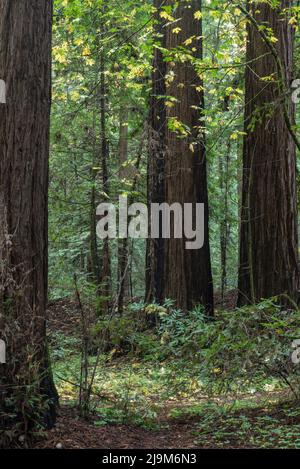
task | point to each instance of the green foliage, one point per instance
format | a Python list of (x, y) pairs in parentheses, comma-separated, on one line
[(246, 348), (127, 333), (235, 351), (180, 332), (249, 344), (63, 346), (224, 373), (82, 31), (245, 425)]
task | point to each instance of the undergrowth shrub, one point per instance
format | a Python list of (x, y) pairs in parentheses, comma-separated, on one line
[(131, 332), (250, 344), (233, 351)]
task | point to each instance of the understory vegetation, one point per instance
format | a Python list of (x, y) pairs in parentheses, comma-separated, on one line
[(232, 378)]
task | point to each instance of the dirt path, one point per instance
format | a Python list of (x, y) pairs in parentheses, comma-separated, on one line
[(74, 433)]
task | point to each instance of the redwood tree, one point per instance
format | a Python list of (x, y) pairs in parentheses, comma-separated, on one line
[(25, 65), (157, 135), (187, 273), (268, 244)]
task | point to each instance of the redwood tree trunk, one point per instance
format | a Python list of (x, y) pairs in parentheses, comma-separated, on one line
[(188, 274), (268, 245), (155, 180), (25, 65)]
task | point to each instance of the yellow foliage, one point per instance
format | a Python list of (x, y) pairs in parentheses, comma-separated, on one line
[(166, 16)]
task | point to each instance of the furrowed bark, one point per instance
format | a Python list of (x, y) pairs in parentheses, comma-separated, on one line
[(156, 160), (187, 272), (269, 239), (25, 65)]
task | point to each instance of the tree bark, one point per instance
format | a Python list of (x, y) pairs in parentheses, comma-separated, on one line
[(156, 157), (25, 65), (268, 242), (188, 274)]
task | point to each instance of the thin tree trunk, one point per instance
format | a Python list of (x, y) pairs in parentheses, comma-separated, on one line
[(106, 263), (123, 246), (224, 223), (25, 65), (94, 254), (188, 274), (268, 244)]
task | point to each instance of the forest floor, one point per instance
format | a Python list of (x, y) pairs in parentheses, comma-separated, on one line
[(140, 403), (260, 427)]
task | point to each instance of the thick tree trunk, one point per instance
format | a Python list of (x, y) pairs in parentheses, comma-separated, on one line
[(155, 180), (188, 274), (268, 245), (25, 65)]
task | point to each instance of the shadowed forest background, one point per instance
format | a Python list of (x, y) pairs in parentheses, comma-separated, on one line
[(146, 344)]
